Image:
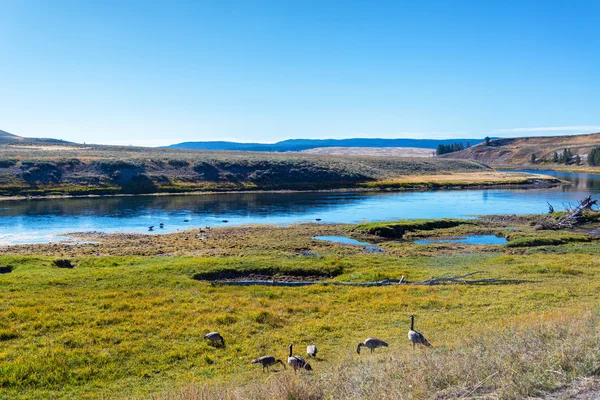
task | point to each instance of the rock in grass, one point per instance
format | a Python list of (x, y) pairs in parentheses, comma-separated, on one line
[(5, 269), (63, 263)]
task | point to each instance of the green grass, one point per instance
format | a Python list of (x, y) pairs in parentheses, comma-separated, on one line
[(397, 229), (548, 240), (132, 325)]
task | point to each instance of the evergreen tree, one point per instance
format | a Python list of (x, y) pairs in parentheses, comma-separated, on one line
[(577, 159), (487, 140), (566, 157), (555, 157), (594, 157), (533, 158), (440, 150)]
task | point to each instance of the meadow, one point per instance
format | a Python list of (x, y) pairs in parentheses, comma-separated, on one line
[(127, 320)]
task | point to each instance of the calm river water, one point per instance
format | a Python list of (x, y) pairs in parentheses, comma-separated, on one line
[(34, 221)]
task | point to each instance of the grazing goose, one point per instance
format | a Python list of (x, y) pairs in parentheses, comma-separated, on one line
[(267, 361), (215, 337), (311, 351), (298, 362), (371, 343), (416, 337)]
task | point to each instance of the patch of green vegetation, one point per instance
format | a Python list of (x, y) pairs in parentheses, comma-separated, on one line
[(547, 240), (397, 229), (225, 269)]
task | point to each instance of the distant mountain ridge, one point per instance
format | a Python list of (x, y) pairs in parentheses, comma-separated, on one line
[(307, 144)]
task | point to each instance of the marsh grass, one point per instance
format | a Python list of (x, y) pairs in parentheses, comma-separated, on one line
[(129, 322)]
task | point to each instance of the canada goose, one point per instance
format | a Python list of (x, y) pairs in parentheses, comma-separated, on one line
[(161, 225), (311, 350), (215, 337), (416, 337), (151, 228), (371, 343), (298, 362), (225, 221), (317, 219), (186, 220), (267, 361)]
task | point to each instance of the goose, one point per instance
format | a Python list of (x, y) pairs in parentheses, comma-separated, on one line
[(215, 337), (298, 362), (371, 343), (151, 228), (267, 361), (161, 225), (311, 351), (416, 337)]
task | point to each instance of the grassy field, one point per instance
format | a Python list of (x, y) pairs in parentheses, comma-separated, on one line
[(127, 321), (79, 170)]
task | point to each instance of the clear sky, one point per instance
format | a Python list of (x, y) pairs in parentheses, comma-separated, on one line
[(154, 73)]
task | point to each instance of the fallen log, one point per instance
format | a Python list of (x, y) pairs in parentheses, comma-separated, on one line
[(573, 217)]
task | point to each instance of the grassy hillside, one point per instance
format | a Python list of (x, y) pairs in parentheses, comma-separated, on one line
[(5, 136), (127, 320), (36, 169), (518, 151)]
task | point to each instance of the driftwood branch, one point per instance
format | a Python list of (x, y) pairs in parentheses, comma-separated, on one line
[(573, 217), (459, 279)]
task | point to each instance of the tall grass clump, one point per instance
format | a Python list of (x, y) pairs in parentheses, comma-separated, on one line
[(513, 363)]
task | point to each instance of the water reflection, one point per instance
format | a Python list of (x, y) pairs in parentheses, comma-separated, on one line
[(579, 181), (31, 221)]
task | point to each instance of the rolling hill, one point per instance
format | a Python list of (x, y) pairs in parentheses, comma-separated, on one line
[(6, 137), (518, 151)]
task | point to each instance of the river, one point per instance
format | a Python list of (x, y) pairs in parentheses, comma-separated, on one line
[(44, 220)]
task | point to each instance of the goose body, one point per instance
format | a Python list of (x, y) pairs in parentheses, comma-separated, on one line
[(215, 337), (416, 337), (371, 343), (311, 350), (267, 361), (298, 362)]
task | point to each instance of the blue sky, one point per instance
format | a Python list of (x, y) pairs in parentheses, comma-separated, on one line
[(155, 73)]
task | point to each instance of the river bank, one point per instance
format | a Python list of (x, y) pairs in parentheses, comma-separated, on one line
[(450, 181)]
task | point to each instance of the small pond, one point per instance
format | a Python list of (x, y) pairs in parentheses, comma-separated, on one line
[(341, 239), (473, 239), (369, 248)]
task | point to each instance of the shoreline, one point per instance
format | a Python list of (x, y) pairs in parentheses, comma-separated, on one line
[(578, 169), (383, 186)]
